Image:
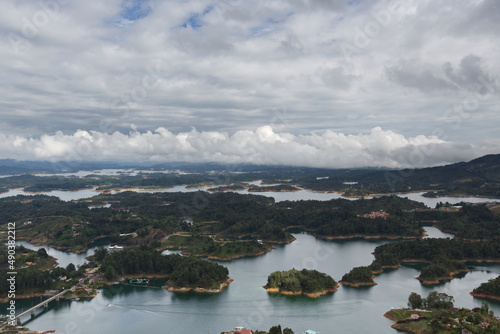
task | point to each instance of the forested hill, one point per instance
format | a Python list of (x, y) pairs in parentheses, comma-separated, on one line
[(477, 177)]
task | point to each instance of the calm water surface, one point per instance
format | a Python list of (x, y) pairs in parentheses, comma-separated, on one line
[(246, 303), (278, 196), (123, 309)]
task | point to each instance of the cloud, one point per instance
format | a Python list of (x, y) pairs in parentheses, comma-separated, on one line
[(410, 74), (469, 73), (228, 66), (377, 148)]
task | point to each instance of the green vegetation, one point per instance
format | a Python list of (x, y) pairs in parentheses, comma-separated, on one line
[(435, 314), (35, 272), (358, 276), (279, 187), (231, 187), (446, 256), (182, 271), (477, 177), (143, 218), (475, 222), (206, 246), (490, 289), (304, 281)]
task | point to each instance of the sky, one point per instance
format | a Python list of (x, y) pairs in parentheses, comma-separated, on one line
[(336, 84)]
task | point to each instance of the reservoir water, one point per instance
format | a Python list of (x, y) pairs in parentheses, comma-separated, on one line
[(131, 310), (246, 303)]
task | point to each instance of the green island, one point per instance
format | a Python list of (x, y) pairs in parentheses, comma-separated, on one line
[(209, 247), (489, 290), (445, 258), (184, 273), (311, 283), (276, 188), (436, 314), (359, 276), (230, 187)]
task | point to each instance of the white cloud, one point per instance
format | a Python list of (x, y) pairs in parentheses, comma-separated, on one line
[(228, 67), (377, 148)]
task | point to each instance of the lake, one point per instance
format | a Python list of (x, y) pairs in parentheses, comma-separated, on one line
[(246, 303), (302, 194)]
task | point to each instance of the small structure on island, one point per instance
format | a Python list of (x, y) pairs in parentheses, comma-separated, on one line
[(415, 317), (241, 330)]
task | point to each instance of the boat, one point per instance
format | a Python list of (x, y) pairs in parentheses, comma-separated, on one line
[(140, 281)]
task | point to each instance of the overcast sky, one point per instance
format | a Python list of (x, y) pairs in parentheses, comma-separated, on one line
[(298, 82)]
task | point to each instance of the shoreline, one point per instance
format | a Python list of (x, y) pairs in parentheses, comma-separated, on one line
[(200, 290), (366, 237), (297, 293), (233, 257), (358, 284), (480, 295), (443, 278)]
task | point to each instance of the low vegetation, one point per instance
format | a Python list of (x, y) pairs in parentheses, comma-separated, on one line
[(303, 281)]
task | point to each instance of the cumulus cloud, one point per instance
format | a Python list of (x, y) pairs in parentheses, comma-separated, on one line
[(228, 66), (377, 148)]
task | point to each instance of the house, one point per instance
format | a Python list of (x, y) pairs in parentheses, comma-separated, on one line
[(415, 317), (484, 325), (455, 208), (375, 215)]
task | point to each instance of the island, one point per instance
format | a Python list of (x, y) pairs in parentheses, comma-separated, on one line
[(437, 314), (273, 188), (184, 273), (214, 248), (359, 276), (489, 290), (311, 283), (445, 258)]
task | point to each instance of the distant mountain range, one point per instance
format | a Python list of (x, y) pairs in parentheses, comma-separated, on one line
[(480, 176)]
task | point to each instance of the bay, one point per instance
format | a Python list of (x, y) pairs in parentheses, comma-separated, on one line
[(246, 303)]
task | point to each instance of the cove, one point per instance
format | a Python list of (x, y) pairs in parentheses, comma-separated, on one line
[(246, 303)]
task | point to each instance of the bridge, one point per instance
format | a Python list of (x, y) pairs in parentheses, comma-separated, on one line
[(44, 303)]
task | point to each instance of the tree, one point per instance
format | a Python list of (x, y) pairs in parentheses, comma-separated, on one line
[(109, 274), (71, 268), (275, 330), (438, 300), (288, 331), (100, 253), (435, 325), (42, 253), (414, 300)]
